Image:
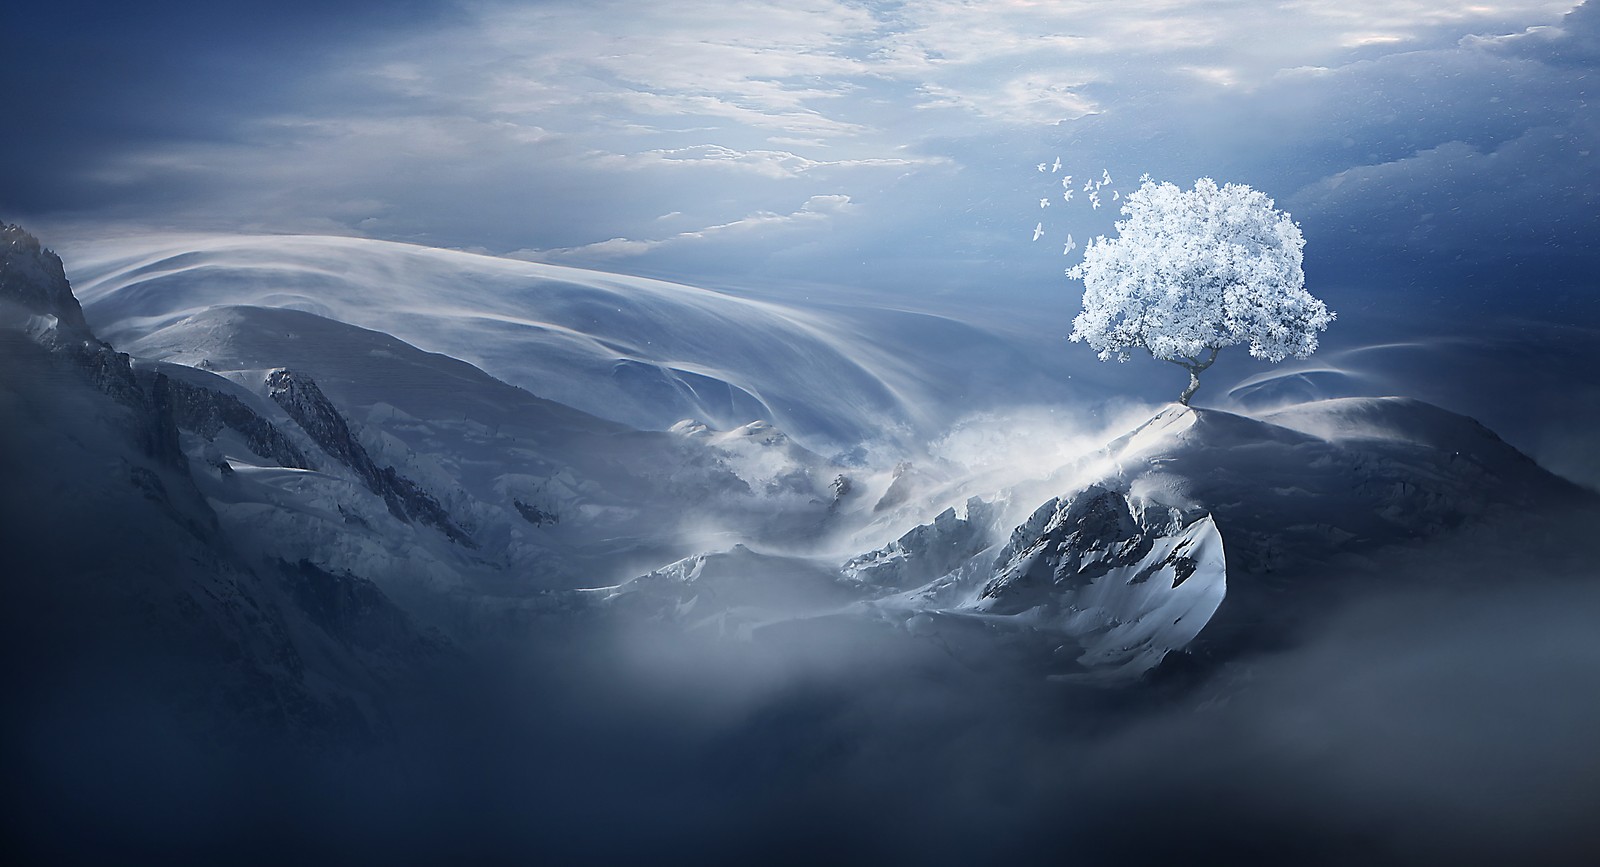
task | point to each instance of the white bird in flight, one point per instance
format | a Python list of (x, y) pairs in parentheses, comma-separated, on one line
[(1066, 196), (1044, 203), (1038, 231), (1094, 199), (1066, 182), (1057, 166), (1043, 166), (1105, 178), (1071, 245), (1115, 195)]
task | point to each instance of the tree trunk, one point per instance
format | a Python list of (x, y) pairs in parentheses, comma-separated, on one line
[(1194, 366), (1194, 386)]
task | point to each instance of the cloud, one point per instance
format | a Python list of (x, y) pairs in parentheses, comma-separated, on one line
[(1438, 718), (816, 211), (1480, 179), (1576, 40), (769, 163), (564, 125)]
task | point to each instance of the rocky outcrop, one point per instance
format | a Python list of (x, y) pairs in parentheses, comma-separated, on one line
[(925, 552), (207, 412), (34, 284), (304, 401), (1065, 545), (535, 515), (33, 277), (122, 586), (1126, 582)]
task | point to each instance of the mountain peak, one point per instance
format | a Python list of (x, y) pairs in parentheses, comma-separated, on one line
[(32, 277)]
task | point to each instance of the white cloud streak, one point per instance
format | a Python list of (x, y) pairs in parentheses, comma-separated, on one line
[(816, 211)]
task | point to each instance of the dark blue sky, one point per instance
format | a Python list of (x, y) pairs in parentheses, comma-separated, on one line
[(1441, 157)]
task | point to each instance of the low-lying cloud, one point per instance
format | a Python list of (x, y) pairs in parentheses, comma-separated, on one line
[(1438, 714)]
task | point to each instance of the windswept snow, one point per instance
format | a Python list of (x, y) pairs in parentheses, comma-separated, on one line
[(643, 352)]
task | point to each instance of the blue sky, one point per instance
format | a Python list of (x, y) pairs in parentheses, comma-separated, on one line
[(1440, 156), (874, 144)]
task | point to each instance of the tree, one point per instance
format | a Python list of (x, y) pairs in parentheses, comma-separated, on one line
[(1193, 272)]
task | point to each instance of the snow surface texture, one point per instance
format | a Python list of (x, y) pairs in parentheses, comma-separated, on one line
[(1189, 509), (522, 494), (121, 577), (643, 352), (473, 501)]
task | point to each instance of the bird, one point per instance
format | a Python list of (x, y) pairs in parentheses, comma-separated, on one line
[(1057, 166), (1105, 178), (1066, 182), (1066, 196), (1094, 199), (1115, 195), (1044, 203), (1071, 245), (1088, 186), (1042, 167), (1038, 231)]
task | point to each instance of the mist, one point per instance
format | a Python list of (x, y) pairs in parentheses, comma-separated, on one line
[(520, 243), (1447, 720)]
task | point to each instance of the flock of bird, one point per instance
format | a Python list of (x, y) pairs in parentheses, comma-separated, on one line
[(1092, 189)]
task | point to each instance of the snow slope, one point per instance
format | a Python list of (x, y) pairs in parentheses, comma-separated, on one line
[(643, 352), (543, 495), (358, 452), (1196, 524), (125, 595)]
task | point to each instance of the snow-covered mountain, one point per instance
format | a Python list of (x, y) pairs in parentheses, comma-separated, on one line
[(125, 594), (1198, 523), (364, 469), (643, 352), (436, 475)]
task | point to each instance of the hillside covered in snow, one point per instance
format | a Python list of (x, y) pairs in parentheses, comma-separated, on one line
[(283, 496)]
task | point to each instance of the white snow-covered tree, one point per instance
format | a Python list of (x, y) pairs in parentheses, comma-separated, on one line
[(1192, 272)]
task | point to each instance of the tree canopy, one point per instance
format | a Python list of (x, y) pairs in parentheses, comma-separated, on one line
[(1192, 272)]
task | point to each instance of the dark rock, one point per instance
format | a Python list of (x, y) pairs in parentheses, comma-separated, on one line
[(300, 397), (535, 515), (206, 412), (927, 551), (34, 278)]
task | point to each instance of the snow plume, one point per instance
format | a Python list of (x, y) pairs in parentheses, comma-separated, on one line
[(1032, 452), (1459, 367), (1045, 437)]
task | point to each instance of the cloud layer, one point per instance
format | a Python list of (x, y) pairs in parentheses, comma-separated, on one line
[(1439, 156), (566, 126)]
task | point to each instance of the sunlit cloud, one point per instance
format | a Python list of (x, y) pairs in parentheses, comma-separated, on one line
[(564, 126), (770, 163), (815, 211)]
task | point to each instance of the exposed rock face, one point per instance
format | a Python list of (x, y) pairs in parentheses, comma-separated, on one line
[(310, 408), (535, 515), (925, 552), (34, 278), (33, 282), (122, 587), (1128, 583), (207, 412), (1062, 546)]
